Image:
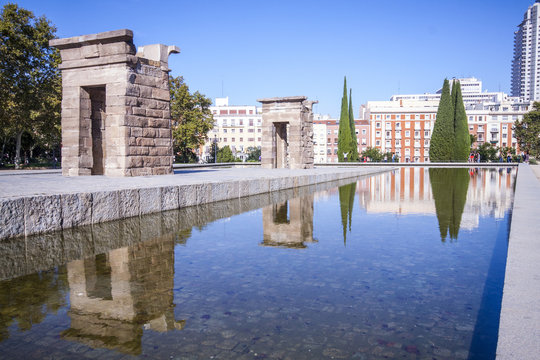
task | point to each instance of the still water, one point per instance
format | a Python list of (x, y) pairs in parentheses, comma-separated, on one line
[(406, 264)]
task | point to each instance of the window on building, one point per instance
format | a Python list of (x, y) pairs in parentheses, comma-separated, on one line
[(241, 139), (407, 124), (241, 122), (224, 130), (407, 133), (388, 125), (233, 130), (232, 122), (258, 130), (398, 125), (378, 133), (363, 131), (378, 143), (224, 122), (364, 141), (407, 142), (426, 133), (378, 125), (250, 122)]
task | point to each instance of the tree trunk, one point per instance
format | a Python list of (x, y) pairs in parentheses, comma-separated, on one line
[(3, 150), (18, 150)]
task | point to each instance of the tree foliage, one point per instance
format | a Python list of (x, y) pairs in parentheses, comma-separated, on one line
[(344, 134), (30, 85), (373, 154), (225, 155), (527, 131), (254, 153), (462, 140), (192, 120), (354, 141), (487, 152), (442, 140)]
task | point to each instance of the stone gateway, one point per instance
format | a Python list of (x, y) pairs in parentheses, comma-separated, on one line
[(115, 106), (287, 133)]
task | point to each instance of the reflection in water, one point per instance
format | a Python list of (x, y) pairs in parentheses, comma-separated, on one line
[(346, 204), (28, 299), (114, 296), (449, 188), (398, 293), (289, 224), (408, 192)]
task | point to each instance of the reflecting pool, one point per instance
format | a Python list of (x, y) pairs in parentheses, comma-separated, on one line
[(405, 264)]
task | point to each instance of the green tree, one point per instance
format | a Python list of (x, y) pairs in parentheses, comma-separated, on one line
[(442, 140), (449, 188), (344, 134), (192, 119), (462, 140), (487, 152), (472, 139), (354, 143), (254, 153), (225, 155), (29, 77), (527, 131), (374, 154)]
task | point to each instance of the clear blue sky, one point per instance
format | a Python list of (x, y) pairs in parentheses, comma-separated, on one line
[(253, 49)]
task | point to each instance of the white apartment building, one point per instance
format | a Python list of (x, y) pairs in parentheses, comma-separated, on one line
[(471, 89), (526, 60), (320, 138), (238, 126), (404, 124)]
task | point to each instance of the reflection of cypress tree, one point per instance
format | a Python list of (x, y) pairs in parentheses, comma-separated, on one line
[(461, 184), (449, 187), (28, 299), (346, 204)]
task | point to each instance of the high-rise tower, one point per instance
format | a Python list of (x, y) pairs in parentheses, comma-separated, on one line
[(526, 62)]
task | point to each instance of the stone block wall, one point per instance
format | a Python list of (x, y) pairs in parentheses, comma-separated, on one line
[(287, 133), (115, 106)]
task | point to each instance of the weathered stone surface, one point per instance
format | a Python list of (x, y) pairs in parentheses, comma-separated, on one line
[(42, 214), (287, 128), (225, 190), (76, 209), (11, 217), (102, 77), (204, 193), (169, 198), (128, 203), (105, 206), (150, 200), (187, 195)]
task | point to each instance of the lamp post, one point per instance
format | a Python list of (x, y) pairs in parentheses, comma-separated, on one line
[(215, 148)]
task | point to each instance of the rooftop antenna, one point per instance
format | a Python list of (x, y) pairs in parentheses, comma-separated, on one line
[(399, 87), (221, 88)]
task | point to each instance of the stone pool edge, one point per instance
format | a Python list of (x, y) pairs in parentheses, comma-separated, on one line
[(519, 327), (35, 214)]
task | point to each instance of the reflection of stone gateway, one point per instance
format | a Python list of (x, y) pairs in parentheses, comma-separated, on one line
[(114, 296), (289, 224), (287, 138), (115, 106)]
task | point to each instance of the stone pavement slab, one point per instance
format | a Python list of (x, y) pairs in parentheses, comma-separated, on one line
[(519, 329), (38, 203)]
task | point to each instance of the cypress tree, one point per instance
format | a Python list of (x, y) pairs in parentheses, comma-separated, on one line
[(344, 135), (442, 140), (462, 140), (354, 143)]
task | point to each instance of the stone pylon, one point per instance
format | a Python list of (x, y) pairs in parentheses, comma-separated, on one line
[(287, 133), (115, 106)]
